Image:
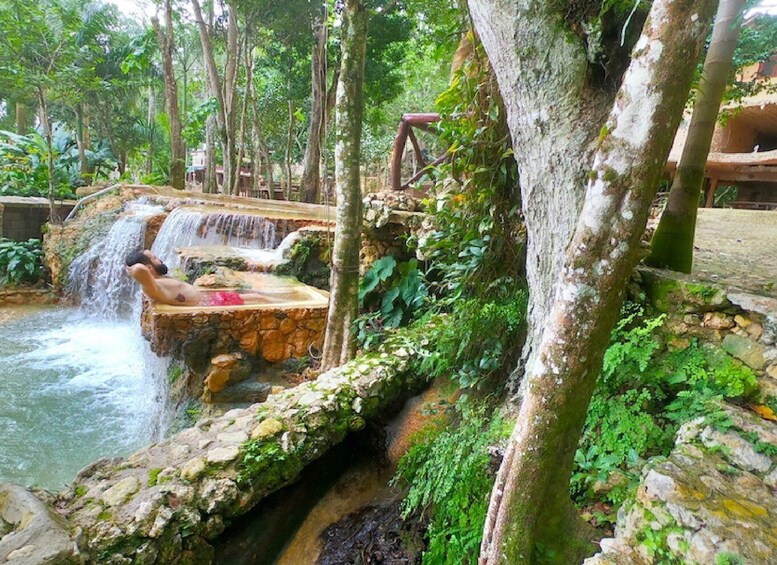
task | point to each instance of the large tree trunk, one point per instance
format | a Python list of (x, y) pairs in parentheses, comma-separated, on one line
[(47, 134), (311, 166), (231, 99), (530, 514), (554, 115), (343, 305), (672, 245), (167, 45)]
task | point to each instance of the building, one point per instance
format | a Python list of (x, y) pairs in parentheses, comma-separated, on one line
[(744, 146)]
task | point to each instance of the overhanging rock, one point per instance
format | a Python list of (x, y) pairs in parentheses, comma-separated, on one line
[(164, 503)]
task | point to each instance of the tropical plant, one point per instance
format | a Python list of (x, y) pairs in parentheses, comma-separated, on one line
[(20, 262)]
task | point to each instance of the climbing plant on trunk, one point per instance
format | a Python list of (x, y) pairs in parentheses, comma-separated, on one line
[(349, 108), (531, 518), (672, 245)]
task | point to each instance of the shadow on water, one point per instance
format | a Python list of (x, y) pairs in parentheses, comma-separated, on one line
[(263, 536)]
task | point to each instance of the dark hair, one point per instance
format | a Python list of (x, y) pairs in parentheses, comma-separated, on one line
[(137, 257), (140, 257)]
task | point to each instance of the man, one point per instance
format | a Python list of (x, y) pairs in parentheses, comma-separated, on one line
[(150, 272)]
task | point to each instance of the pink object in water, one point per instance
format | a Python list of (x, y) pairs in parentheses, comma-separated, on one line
[(222, 298)]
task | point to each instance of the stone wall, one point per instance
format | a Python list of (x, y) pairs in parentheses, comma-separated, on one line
[(743, 324), (23, 218), (20, 296), (272, 333), (711, 501)]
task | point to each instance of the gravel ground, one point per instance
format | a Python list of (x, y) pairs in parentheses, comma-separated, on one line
[(737, 248)]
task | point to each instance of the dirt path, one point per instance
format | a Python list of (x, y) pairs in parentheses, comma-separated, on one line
[(737, 248)]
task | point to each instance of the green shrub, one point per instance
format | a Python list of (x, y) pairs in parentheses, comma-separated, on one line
[(21, 262), (450, 478), (392, 294), (480, 338)]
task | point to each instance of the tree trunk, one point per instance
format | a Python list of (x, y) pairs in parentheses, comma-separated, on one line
[(531, 518), (21, 118), (261, 150), (223, 113), (46, 123), (167, 45), (672, 245), (80, 142), (554, 115), (242, 131), (343, 306), (289, 145), (311, 167), (151, 119)]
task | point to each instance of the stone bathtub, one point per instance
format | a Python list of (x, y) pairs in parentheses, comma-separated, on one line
[(288, 322)]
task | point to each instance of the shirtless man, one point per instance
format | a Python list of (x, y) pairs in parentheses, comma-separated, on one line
[(150, 272)]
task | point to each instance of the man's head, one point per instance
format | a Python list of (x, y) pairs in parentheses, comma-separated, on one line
[(145, 257)]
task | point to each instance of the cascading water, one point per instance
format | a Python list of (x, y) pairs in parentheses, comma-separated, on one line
[(98, 281), (77, 384), (190, 227)]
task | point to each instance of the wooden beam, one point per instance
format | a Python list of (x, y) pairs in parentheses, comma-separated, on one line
[(710, 193)]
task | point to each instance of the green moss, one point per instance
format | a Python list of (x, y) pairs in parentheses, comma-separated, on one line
[(153, 476), (80, 491), (610, 175), (174, 373), (104, 516), (604, 132)]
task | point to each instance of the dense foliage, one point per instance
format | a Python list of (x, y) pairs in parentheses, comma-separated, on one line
[(21, 262), (645, 392), (450, 472)]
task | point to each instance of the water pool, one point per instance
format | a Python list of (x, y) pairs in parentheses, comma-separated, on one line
[(73, 389)]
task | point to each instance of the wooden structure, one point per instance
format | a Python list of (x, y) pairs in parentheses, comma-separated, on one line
[(744, 146), (405, 132)]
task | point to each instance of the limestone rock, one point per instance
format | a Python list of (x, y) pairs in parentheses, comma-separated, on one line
[(222, 454), (266, 428), (741, 321), (712, 496), (750, 352), (193, 469), (121, 491), (772, 371), (38, 534), (718, 321), (246, 391)]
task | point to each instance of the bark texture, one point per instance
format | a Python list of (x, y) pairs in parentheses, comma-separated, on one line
[(343, 305), (672, 245), (311, 166), (167, 45), (554, 115), (225, 107), (531, 518), (47, 134)]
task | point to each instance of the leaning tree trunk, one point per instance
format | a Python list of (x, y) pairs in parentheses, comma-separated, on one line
[(672, 245), (311, 166), (530, 514), (46, 123), (81, 142), (214, 81), (289, 145), (167, 45), (151, 120), (554, 115), (343, 305)]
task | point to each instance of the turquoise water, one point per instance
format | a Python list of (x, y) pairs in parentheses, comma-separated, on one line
[(73, 389)]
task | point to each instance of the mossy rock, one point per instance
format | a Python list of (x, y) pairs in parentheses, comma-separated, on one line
[(673, 292)]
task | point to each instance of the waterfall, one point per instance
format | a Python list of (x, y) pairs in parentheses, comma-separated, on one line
[(98, 281), (189, 227)]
